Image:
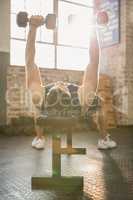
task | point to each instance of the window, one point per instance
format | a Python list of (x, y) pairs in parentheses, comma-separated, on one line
[(65, 48), (45, 55), (73, 24), (72, 58), (83, 2)]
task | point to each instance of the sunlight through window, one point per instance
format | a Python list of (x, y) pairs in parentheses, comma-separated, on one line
[(71, 40)]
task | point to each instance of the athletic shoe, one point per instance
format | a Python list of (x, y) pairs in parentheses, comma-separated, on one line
[(40, 144), (106, 143), (102, 144), (34, 142), (111, 144)]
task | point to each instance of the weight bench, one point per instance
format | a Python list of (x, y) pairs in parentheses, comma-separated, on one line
[(58, 182), (59, 117)]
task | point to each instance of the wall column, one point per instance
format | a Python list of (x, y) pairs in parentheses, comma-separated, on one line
[(4, 55)]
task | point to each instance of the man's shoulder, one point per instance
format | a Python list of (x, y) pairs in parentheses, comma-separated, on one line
[(71, 86)]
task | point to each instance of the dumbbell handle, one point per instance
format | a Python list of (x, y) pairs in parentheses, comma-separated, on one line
[(44, 21)]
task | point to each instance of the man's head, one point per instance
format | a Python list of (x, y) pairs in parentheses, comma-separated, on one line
[(59, 95), (62, 86)]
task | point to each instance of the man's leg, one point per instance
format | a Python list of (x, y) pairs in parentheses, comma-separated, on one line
[(38, 141), (101, 123)]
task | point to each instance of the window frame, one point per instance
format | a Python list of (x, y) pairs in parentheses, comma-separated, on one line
[(55, 42)]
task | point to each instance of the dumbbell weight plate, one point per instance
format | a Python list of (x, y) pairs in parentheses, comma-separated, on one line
[(22, 19), (102, 18), (50, 21)]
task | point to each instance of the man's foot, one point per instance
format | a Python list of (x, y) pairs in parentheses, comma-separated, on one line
[(38, 143), (106, 143)]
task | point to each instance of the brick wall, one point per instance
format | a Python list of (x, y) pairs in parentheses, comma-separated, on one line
[(118, 61), (129, 57), (16, 104), (113, 63)]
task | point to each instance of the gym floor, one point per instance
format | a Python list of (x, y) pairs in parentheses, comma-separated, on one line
[(108, 175)]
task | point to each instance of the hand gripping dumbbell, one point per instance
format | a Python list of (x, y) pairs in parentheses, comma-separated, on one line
[(102, 18), (49, 21)]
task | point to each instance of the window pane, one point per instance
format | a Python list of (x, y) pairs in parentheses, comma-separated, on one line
[(85, 2), (41, 7), (46, 7), (33, 7), (16, 31), (45, 55), (72, 58), (74, 24), (46, 35), (17, 52), (17, 6)]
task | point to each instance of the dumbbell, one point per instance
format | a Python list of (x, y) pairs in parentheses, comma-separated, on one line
[(102, 18), (49, 21)]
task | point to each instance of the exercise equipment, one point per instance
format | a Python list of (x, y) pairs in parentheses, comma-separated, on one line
[(102, 18), (49, 21), (56, 181), (63, 119)]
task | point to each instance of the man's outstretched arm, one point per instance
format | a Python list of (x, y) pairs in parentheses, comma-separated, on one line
[(30, 47), (33, 78), (92, 69), (34, 22), (90, 78)]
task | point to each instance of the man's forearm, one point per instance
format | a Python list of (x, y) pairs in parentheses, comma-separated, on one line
[(94, 49), (91, 71), (30, 46)]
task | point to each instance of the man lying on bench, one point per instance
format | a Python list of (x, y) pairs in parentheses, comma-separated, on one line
[(65, 95)]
